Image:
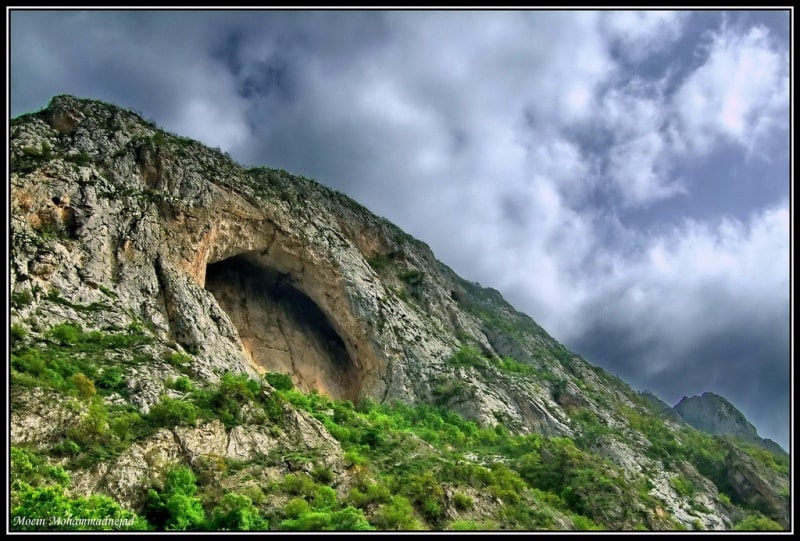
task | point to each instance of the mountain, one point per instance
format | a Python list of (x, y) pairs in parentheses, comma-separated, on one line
[(197, 345), (713, 413)]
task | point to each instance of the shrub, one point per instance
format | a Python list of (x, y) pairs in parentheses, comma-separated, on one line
[(325, 498), (280, 382), (18, 332), (183, 385), (111, 379), (322, 474), (296, 507), (472, 525), (21, 298), (310, 521), (66, 333), (170, 412), (682, 486), (42, 504), (179, 360), (398, 514), (354, 458), (82, 158), (371, 493), (579, 522), (237, 512), (468, 356), (298, 483), (175, 507), (125, 424), (463, 501), (83, 385), (755, 523)]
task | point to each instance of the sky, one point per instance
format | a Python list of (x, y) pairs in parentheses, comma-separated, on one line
[(623, 177)]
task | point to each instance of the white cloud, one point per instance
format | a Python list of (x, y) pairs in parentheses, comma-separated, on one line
[(641, 33), (696, 280), (639, 158), (739, 93), (637, 167)]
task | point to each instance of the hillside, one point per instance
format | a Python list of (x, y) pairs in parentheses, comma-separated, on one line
[(713, 414), (196, 345)]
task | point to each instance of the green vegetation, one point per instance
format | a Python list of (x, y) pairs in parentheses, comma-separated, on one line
[(21, 298), (380, 262), (409, 461), (81, 158), (777, 463), (31, 158), (757, 523), (40, 502), (682, 486), (469, 356), (71, 360), (175, 506)]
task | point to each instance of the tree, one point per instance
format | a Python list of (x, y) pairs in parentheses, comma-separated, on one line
[(175, 507), (237, 512)]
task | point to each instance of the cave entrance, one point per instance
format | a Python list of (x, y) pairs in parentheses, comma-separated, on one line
[(281, 328)]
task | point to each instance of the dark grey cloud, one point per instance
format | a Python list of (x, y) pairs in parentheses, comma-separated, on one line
[(745, 358), (621, 176)]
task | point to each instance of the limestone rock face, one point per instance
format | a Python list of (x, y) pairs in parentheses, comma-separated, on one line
[(712, 413), (758, 486), (248, 271), (209, 268)]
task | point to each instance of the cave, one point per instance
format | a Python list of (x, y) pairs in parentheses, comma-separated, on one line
[(281, 328)]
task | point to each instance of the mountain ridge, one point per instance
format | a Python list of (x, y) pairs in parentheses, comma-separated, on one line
[(714, 414), (189, 270)]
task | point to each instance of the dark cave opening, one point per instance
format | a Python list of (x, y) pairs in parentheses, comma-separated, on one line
[(281, 328)]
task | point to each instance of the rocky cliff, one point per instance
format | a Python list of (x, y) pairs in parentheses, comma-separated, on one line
[(172, 309), (713, 413)]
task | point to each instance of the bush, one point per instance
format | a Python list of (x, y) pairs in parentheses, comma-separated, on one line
[(66, 333), (111, 379), (183, 385), (236, 512), (371, 493), (463, 501), (42, 504), (322, 474), (311, 521), (354, 459), (468, 356), (21, 298), (82, 158), (472, 525), (755, 523), (280, 382), (325, 498), (179, 360), (682, 486), (296, 507), (579, 522), (18, 333), (171, 412), (298, 483), (349, 520), (83, 385), (233, 393), (398, 514), (175, 507), (124, 425)]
